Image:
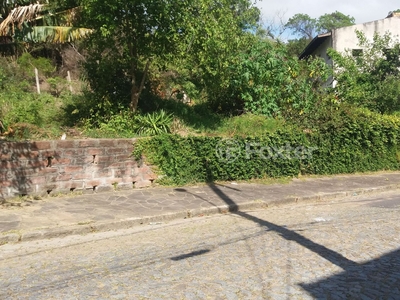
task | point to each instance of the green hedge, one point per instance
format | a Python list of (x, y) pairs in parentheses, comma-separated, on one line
[(358, 141)]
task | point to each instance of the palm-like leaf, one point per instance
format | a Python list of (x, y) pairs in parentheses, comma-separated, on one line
[(48, 34), (56, 34), (153, 124), (18, 16)]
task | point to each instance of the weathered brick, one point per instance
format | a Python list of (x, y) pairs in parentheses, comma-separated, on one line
[(83, 166), (41, 145), (50, 187), (123, 157), (149, 176), (64, 177), (115, 151), (65, 144), (4, 156), (101, 173), (62, 161), (81, 176), (142, 184), (26, 155), (120, 172), (51, 179), (113, 180), (106, 143), (88, 143), (48, 170), (130, 164), (95, 151), (76, 184), (104, 188), (125, 186), (105, 159), (93, 183), (131, 179), (37, 164), (38, 180), (82, 160), (73, 152), (51, 153), (13, 165), (73, 169), (124, 142), (6, 183)]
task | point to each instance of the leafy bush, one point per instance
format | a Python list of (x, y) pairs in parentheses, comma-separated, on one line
[(372, 78), (353, 140), (154, 123), (27, 64), (119, 125), (265, 79)]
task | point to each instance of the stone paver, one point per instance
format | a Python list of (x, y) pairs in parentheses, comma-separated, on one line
[(60, 216), (345, 248)]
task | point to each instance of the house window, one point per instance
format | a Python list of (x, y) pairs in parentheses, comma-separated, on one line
[(356, 52)]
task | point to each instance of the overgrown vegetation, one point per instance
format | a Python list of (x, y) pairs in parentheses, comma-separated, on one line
[(199, 75), (351, 140), (372, 78)]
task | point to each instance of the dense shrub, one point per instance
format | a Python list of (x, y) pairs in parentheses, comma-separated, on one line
[(355, 140), (372, 78)]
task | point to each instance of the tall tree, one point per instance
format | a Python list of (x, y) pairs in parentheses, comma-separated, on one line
[(334, 20), (133, 34), (302, 25), (306, 28)]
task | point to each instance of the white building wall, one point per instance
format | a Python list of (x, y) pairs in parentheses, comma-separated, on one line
[(345, 38)]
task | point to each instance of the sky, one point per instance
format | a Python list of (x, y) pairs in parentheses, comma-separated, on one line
[(362, 11)]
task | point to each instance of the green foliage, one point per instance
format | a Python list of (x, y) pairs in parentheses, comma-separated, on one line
[(154, 123), (119, 125), (212, 44), (334, 20), (138, 31), (248, 125), (346, 140), (372, 78), (21, 107), (303, 25), (133, 40), (266, 80), (296, 46), (306, 27), (196, 159), (28, 63)]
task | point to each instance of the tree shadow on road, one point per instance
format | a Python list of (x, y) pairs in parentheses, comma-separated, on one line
[(376, 279)]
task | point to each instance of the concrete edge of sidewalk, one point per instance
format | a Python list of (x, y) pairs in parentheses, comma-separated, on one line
[(92, 227)]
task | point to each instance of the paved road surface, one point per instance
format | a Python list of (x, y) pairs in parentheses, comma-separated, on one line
[(342, 249)]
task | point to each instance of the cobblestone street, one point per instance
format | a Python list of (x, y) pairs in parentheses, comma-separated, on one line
[(341, 249)]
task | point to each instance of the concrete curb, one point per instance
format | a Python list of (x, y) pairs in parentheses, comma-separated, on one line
[(91, 227)]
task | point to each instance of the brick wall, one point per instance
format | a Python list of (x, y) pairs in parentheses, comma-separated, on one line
[(46, 167)]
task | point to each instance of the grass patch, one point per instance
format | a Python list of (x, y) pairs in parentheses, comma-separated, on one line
[(248, 125)]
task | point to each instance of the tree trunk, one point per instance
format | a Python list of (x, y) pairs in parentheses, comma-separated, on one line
[(135, 94), (137, 90)]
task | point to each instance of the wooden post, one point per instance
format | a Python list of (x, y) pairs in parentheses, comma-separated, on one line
[(69, 81), (37, 81)]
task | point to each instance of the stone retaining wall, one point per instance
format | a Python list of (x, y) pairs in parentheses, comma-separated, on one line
[(48, 167)]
